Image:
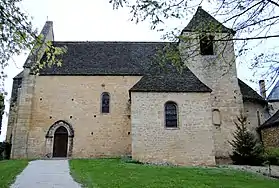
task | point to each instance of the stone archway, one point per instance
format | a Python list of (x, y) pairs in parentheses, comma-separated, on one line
[(59, 128)]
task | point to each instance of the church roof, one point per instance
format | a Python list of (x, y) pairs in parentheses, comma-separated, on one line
[(203, 21), (19, 75), (249, 94), (132, 58), (272, 121), (125, 58), (274, 94), (162, 83)]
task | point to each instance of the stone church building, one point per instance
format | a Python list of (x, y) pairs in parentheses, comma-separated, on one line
[(112, 99)]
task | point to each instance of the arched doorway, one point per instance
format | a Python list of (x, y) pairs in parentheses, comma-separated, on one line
[(60, 145), (59, 136)]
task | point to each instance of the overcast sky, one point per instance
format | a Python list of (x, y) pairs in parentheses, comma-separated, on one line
[(90, 20)]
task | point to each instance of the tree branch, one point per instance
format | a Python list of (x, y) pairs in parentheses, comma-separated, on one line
[(274, 3)]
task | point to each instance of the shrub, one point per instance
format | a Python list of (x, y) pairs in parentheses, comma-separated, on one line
[(130, 160), (272, 156), (247, 150)]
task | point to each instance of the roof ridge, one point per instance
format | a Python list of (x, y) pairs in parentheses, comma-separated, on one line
[(249, 93), (273, 91), (203, 20), (270, 121)]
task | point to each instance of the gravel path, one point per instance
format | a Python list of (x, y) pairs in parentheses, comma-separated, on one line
[(46, 174), (256, 169)]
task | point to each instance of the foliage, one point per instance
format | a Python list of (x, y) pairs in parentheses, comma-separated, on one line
[(112, 173), (5, 150), (17, 34), (272, 155), (247, 150), (9, 170), (2, 108), (255, 23), (130, 160)]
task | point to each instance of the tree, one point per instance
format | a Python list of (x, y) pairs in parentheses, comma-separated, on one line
[(17, 34), (247, 150), (2, 108), (255, 23)]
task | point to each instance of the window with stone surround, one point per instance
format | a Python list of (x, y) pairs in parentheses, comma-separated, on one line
[(105, 102), (216, 117), (206, 45), (171, 115)]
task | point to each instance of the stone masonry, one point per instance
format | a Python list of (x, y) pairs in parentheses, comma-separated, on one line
[(219, 73), (78, 103), (270, 137), (21, 127), (190, 143)]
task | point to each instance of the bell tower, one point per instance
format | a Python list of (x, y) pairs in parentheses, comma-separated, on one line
[(207, 49)]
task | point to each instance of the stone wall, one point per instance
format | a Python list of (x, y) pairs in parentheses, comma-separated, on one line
[(20, 118), (20, 128), (256, 115), (76, 99), (274, 107), (13, 108), (270, 137), (189, 144), (217, 71)]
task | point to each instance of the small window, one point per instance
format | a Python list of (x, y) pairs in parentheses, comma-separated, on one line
[(206, 45), (105, 102), (171, 115)]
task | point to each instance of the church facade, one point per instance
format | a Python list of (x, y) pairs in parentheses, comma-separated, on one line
[(111, 99)]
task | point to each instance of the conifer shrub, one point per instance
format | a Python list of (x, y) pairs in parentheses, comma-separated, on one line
[(247, 149)]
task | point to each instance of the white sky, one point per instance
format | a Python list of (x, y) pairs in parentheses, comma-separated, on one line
[(89, 20)]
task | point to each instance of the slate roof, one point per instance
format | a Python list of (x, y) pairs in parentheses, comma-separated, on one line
[(125, 58), (249, 94), (274, 94), (187, 83), (271, 122), (203, 21), (19, 75), (132, 58)]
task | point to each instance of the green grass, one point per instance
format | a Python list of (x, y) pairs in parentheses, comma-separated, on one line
[(113, 173), (9, 169)]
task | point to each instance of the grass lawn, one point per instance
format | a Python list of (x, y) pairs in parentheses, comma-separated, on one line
[(113, 173), (9, 169)]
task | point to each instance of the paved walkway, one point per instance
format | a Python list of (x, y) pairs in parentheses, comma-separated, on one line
[(46, 174)]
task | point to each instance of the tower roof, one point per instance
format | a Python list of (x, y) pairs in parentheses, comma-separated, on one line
[(203, 21), (274, 94)]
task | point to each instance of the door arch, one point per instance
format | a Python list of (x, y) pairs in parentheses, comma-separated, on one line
[(60, 133), (60, 144)]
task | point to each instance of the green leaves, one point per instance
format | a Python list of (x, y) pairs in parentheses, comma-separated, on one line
[(47, 55), (17, 34)]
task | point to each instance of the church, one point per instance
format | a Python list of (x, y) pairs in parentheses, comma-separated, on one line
[(112, 99)]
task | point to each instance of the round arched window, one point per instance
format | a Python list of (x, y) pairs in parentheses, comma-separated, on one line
[(171, 114)]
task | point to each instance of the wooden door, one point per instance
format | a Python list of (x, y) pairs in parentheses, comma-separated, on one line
[(60, 145)]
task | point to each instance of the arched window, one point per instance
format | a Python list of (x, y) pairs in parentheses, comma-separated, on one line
[(105, 102), (171, 114)]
